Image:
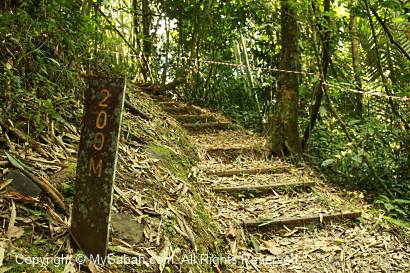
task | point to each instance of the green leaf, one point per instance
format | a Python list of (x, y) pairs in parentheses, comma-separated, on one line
[(16, 163), (328, 162), (353, 122), (397, 222), (54, 61), (9, 66), (393, 4), (401, 201), (382, 199)]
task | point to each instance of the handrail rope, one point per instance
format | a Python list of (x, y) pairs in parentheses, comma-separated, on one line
[(369, 93), (258, 68)]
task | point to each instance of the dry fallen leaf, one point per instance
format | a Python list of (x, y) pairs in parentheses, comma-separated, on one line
[(2, 251), (91, 266), (70, 268), (12, 221), (5, 183), (5, 269), (15, 232), (271, 247), (164, 254), (330, 248)]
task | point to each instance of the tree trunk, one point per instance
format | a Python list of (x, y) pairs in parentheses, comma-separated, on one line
[(147, 44), (284, 131), (357, 103), (326, 41), (165, 69)]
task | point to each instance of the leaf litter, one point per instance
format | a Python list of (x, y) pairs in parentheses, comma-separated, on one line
[(153, 186), (367, 245)]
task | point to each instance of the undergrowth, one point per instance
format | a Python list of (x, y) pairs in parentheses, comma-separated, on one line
[(45, 51)]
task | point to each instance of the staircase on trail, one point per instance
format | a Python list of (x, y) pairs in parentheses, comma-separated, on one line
[(199, 121), (251, 195)]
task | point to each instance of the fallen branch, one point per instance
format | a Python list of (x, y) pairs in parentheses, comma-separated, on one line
[(187, 231), (55, 195), (134, 110), (46, 186), (22, 136)]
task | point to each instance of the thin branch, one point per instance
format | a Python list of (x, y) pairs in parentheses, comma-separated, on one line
[(380, 68), (353, 140), (119, 32), (386, 29)]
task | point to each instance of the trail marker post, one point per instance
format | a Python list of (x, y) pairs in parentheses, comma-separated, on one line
[(96, 165)]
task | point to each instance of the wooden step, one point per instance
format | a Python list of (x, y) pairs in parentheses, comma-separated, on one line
[(160, 98), (230, 153), (194, 118), (239, 172), (261, 188), (186, 110), (279, 222), (171, 103), (209, 126)]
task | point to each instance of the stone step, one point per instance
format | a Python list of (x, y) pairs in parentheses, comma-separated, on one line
[(261, 188), (239, 172), (277, 223)]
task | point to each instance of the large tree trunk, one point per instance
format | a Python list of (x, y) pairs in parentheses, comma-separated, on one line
[(284, 131)]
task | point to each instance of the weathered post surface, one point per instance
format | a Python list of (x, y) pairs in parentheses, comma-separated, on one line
[(96, 165)]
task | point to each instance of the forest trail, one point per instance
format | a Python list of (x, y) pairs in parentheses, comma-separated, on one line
[(278, 217)]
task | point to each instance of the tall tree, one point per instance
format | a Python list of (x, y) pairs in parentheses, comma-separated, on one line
[(325, 61), (357, 101), (147, 42), (284, 138)]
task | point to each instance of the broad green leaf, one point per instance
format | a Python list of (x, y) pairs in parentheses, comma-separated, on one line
[(15, 162), (328, 162)]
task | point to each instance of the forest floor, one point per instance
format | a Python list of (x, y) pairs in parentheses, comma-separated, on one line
[(210, 201), (261, 205)]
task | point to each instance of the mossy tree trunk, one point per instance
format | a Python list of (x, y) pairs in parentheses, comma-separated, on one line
[(284, 137)]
